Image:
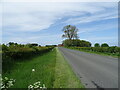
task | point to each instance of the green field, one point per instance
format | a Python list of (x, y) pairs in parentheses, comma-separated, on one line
[(50, 69)]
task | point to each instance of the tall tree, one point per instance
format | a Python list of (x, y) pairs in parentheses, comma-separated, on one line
[(70, 32), (104, 45), (96, 45)]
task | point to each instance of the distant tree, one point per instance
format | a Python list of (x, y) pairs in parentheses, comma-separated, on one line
[(67, 43), (84, 43), (4, 47), (10, 43), (15, 44), (76, 43), (70, 32), (34, 44), (104, 45), (96, 45), (51, 45)]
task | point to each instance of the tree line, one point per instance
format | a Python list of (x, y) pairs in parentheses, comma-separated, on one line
[(71, 33)]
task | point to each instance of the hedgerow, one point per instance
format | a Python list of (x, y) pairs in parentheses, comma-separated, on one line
[(13, 53), (110, 50)]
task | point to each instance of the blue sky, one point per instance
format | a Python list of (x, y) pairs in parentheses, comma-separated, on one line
[(42, 22)]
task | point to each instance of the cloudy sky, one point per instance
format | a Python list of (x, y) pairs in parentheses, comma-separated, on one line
[(42, 22)]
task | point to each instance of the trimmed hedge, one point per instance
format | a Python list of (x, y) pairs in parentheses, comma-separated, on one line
[(23, 52), (11, 54)]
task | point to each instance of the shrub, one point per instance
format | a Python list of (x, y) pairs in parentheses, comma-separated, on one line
[(97, 45), (76, 43), (13, 53), (104, 45), (109, 50)]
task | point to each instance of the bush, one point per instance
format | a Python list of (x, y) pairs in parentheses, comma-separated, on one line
[(104, 45), (97, 45), (13, 53), (76, 43), (110, 50)]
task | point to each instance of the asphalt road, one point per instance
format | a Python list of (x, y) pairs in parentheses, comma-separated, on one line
[(94, 71)]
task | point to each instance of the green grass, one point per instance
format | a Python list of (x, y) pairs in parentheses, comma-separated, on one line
[(44, 71), (64, 76), (99, 53), (51, 69)]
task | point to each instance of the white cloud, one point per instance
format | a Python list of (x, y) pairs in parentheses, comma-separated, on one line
[(42, 39), (39, 16), (100, 27), (101, 12), (92, 18)]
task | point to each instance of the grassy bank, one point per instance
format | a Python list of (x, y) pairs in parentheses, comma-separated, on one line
[(88, 50), (44, 71), (64, 76), (51, 69)]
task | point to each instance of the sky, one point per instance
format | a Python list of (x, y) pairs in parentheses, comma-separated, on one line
[(42, 22)]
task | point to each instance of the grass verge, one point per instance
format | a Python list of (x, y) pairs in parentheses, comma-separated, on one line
[(64, 76), (51, 69), (99, 53), (44, 71)]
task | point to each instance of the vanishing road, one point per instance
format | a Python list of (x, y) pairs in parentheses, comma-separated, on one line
[(94, 71)]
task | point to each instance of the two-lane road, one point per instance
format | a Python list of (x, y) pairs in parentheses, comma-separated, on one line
[(93, 70)]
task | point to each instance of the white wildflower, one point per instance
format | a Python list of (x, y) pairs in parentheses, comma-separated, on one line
[(6, 82), (6, 78), (3, 86), (30, 86), (33, 70), (37, 85), (44, 86)]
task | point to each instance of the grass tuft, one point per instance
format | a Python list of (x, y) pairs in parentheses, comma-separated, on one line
[(64, 76)]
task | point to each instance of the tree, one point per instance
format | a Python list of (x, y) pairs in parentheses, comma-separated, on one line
[(32, 44), (84, 43), (76, 43), (67, 43), (70, 32), (96, 45), (104, 45), (10, 43)]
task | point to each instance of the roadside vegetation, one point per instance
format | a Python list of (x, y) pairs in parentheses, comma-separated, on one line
[(29, 71), (26, 65), (64, 76), (73, 42), (13, 52), (107, 51)]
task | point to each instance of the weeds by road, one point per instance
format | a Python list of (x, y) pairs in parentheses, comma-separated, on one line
[(64, 76), (50, 69)]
